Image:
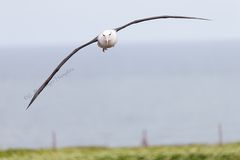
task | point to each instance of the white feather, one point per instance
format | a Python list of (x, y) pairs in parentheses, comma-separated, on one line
[(107, 39)]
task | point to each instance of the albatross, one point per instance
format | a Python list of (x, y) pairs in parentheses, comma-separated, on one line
[(105, 40)]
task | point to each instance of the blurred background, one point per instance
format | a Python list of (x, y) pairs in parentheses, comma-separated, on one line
[(165, 82)]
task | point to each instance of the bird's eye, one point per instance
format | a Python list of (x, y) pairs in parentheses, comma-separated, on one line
[(110, 34), (103, 35)]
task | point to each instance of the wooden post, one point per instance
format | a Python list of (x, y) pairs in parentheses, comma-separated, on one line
[(54, 140), (220, 134), (144, 138)]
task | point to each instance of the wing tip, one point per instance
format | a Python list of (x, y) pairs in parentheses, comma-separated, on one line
[(205, 19), (28, 106), (30, 103)]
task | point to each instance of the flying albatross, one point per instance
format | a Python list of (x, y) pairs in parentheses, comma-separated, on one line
[(105, 40)]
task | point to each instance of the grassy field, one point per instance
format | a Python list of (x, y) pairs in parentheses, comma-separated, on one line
[(190, 152)]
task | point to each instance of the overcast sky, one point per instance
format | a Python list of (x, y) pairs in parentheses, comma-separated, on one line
[(72, 22)]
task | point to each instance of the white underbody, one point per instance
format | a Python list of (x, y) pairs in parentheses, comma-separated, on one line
[(107, 39)]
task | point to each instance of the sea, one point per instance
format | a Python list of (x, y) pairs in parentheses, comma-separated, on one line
[(166, 93)]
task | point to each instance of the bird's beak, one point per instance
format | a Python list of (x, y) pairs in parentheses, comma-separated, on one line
[(107, 40)]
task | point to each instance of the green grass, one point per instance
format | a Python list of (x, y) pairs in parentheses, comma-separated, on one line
[(190, 152)]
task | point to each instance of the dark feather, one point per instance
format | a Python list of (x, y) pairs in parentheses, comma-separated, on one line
[(57, 69), (156, 17)]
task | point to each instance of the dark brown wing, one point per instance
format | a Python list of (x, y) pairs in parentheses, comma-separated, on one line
[(57, 69), (156, 17)]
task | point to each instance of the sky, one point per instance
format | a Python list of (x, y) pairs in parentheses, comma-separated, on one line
[(71, 22)]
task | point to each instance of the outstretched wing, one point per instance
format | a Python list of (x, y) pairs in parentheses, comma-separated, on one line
[(57, 69), (153, 18)]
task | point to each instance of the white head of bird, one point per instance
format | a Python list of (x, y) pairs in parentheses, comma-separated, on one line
[(107, 39)]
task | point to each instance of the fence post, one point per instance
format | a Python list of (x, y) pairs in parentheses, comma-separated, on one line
[(220, 134), (54, 140), (144, 138)]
